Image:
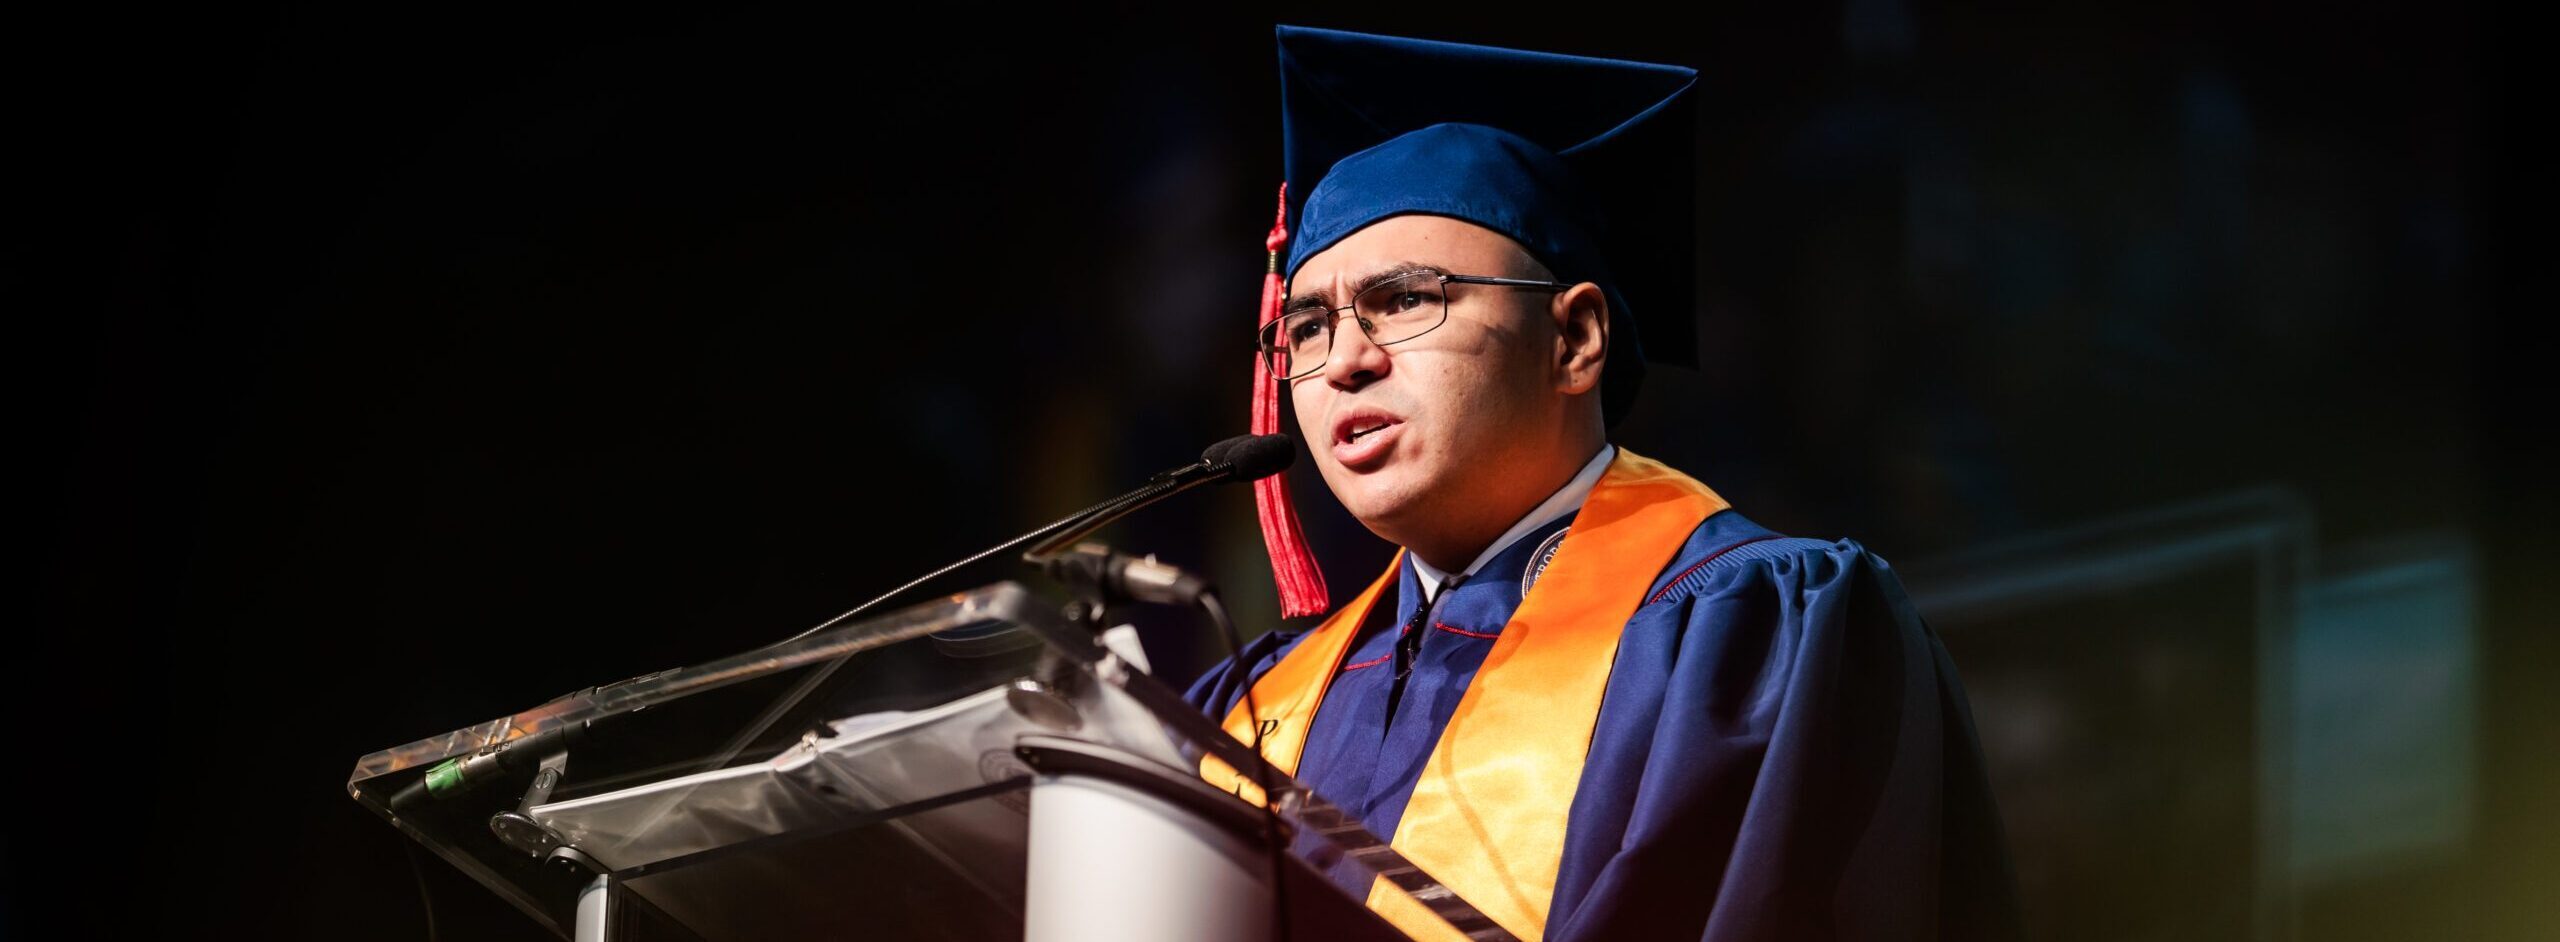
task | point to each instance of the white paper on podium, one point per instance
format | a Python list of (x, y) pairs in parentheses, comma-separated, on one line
[(870, 762)]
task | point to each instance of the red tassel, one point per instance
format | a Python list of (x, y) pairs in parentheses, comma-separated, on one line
[(1301, 581)]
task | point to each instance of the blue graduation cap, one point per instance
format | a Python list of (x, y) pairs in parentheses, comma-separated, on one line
[(1587, 163)]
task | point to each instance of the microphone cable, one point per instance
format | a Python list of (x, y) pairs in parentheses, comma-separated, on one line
[(1278, 854), (426, 900)]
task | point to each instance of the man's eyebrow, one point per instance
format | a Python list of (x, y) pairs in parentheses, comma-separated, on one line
[(1318, 297)]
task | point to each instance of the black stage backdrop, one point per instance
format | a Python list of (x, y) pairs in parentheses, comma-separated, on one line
[(389, 370)]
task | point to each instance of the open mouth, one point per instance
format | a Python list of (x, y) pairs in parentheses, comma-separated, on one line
[(1362, 423), (1363, 439)]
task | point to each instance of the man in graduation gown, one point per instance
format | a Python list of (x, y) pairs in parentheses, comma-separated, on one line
[(1589, 696)]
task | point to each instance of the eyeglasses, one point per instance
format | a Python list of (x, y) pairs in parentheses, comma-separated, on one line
[(1400, 308)]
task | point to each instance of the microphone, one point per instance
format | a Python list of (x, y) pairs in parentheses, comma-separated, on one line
[(1252, 457), (1119, 575), (1242, 458), (1238, 459)]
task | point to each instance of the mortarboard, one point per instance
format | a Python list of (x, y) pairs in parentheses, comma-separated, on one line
[(1585, 162)]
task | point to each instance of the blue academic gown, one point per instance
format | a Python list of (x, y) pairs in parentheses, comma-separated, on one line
[(1783, 750)]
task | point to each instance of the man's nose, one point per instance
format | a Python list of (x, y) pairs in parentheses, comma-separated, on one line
[(1356, 360)]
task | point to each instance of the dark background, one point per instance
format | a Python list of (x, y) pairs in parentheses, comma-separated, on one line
[(387, 371)]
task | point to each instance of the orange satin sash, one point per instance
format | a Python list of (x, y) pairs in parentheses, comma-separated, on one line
[(1488, 817)]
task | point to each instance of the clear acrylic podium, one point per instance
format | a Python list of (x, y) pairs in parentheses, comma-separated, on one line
[(980, 766)]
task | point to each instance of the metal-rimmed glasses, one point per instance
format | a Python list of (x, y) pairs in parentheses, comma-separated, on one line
[(1397, 308)]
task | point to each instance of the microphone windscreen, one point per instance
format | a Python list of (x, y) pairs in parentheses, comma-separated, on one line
[(1253, 456)]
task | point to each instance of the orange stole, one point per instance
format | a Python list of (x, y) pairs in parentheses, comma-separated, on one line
[(1488, 817)]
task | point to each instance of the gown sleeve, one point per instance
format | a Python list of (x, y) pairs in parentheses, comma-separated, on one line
[(1784, 752)]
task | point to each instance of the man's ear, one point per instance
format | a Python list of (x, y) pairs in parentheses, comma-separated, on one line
[(1582, 337)]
